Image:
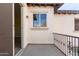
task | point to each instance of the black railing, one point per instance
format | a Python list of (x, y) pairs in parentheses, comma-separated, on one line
[(68, 44)]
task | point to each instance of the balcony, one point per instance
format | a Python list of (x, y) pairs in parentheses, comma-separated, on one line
[(64, 45)]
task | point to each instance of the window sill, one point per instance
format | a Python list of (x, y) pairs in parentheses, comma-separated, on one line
[(39, 28)]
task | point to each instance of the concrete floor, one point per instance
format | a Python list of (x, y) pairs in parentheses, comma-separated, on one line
[(41, 50)]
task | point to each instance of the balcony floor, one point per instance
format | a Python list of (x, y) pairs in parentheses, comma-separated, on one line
[(41, 50)]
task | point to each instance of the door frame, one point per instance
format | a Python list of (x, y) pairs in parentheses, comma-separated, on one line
[(13, 22)]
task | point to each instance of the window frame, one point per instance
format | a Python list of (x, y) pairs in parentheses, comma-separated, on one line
[(39, 21), (75, 24)]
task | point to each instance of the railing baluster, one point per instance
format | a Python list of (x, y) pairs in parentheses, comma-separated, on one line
[(75, 46), (78, 46), (67, 46), (72, 46)]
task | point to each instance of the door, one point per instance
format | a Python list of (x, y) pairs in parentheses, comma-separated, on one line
[(6, 30), (17, 22)]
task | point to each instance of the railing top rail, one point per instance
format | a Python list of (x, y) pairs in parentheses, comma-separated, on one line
[(66, 35)]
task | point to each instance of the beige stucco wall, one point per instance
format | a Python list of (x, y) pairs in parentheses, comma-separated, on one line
[(64, 24), (25, 26), (41, 35)]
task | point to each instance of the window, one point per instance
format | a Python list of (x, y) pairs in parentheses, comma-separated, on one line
[(39, 20), (76, 24)]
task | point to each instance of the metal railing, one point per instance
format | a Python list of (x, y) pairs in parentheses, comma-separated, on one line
[(68, 44)]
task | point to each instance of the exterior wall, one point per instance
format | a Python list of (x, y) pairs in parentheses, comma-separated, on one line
[(6, 30), (41, 35), (25, 29), (64, 24)]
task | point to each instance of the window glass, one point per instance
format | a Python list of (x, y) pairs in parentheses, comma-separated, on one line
[(76, 24), (35, 20), (43, 20)]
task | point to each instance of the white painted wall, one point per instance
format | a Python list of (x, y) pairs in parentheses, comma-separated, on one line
[(25, 26), (41, 35), (64, 24)]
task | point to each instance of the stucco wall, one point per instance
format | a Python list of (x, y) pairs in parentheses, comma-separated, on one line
[(64, 24), (41, 35), (25, 26)]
